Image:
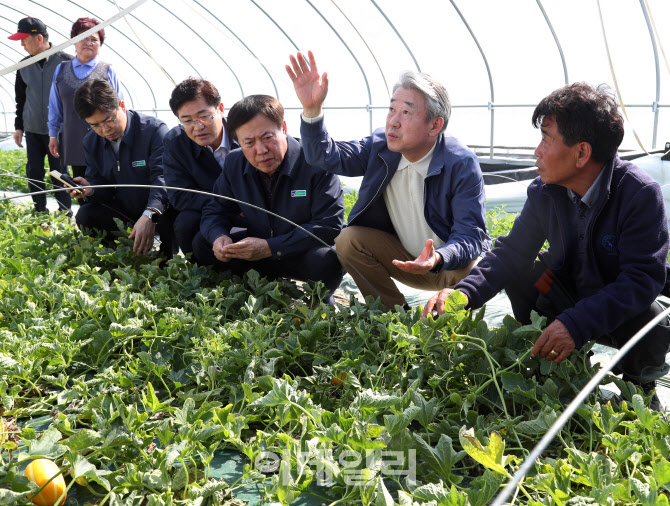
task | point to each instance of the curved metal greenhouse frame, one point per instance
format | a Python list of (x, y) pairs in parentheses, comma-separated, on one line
[(249, 33)]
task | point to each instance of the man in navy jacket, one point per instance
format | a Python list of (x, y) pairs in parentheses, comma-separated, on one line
[(606, 225), (420, 217), (194, 153), (124, 147), (270, 172)]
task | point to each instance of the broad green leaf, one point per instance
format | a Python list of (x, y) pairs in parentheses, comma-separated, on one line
[(7, 363), (516, 383), (644, 492), (209, 489), (396, 423), (83, 439), (83, 331), (490, 456), (370, 399), (455, 302), (427, 409), (173, 452), (383, 497), (436, 492), (442, 458), (483, 488), (644, 414), (150, 401), (47, 446), (540, 425), (661, 472), (404, 499), (10, 497)]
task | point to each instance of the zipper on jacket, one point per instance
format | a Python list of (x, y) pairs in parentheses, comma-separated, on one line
[(589, 232), (380, 186)]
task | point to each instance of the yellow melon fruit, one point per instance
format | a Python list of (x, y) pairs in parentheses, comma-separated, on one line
[(40, 471)]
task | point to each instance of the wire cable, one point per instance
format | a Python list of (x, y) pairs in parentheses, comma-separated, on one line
[(209, 194), (145, 46), (69, 42), (616, 83), (6, 173)]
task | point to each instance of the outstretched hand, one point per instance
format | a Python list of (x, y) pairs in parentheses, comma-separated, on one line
[(424, 262), (310, 86)]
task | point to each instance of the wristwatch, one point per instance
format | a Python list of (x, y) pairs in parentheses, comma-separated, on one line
[(152, 213)]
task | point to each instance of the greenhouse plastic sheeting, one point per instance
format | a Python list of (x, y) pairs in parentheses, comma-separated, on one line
[(497, 59)]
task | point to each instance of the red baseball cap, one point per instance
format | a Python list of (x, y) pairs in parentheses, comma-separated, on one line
[(27, 27)]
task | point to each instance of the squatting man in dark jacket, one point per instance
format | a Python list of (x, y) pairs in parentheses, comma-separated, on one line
[(606, 225), (194, 153), (270, 172), (124, 147), (420, 217)]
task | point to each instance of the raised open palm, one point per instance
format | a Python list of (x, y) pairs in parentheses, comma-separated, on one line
[(310, 87)]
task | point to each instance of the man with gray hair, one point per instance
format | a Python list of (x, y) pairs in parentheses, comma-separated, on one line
[(420, 216)]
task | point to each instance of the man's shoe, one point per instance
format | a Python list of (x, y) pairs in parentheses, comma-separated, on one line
[(655, 402), (648, 388)]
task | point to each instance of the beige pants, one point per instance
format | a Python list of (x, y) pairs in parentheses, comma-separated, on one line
[(371, 252)]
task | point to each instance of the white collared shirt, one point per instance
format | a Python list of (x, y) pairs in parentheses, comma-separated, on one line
[(404, 201), (223, 149)]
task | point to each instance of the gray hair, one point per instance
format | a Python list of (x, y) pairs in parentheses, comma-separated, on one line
[(437, 98)]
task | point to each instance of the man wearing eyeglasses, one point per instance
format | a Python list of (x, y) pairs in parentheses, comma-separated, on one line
[(32, 87), (123, 147), (194, 153), (270, 172)]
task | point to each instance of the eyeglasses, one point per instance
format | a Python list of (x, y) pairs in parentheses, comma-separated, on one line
[(108, 123), (204, 120)]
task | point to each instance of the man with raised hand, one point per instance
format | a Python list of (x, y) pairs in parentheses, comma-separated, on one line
[(420, 216), (123, 147), (270, 172), (194, 152), (606, 224), (32, 87)]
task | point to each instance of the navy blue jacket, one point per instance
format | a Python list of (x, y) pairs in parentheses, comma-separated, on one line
[(189, 165), (308, 196), (140, 162), (454, 199), (627, 261)]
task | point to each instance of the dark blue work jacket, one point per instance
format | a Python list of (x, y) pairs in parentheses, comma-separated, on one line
[(454, 199), (189, 165), (626, 262), (304, 194), (140, 162)]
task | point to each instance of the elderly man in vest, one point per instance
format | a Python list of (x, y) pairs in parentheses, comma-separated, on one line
[(32, 87)]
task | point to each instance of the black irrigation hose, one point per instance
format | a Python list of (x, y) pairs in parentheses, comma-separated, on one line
[(200, 192)]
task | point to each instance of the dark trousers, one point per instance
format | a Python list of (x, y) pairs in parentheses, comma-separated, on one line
[(186, 225), (78, 170), (643, 363), (96, 218), (317, 264), (37, 147)]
